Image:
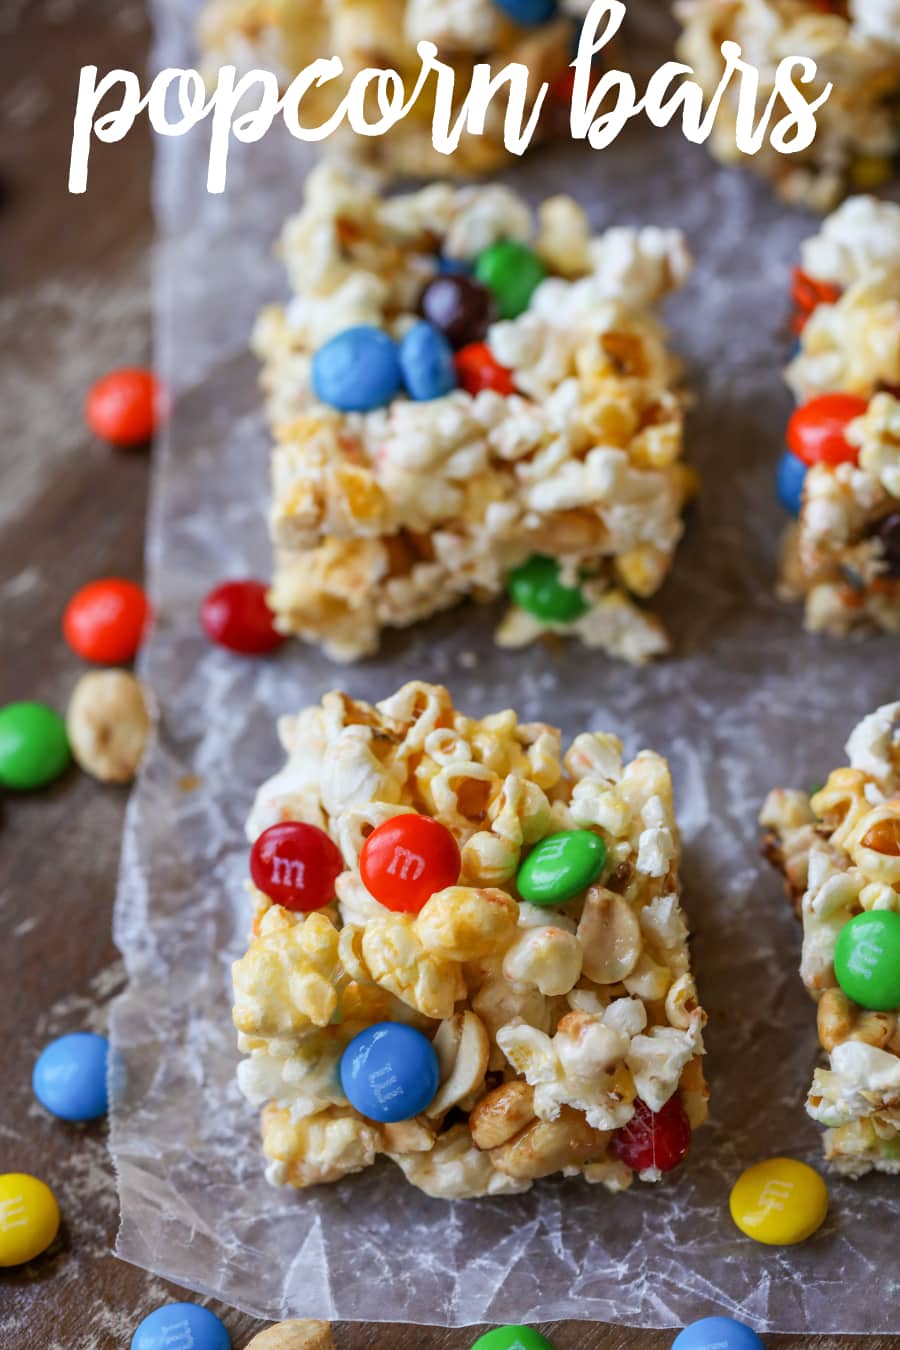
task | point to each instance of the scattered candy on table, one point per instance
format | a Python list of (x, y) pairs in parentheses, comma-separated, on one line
[(816, 430), (779, 1202), (459, 306), (512, 273), (125, 407), (294, 1335), (535, 587), (477, 368), (108, 724), (389, 1072), (29, 1218), (561, 866), (512, 1338), (296, 865), (357, 370), (235, 615), (790, 478), (34, 747), (181, 1326), (426, 362), (654, 1139), (717, 1333), (406, 859), (105, 621), (69, 1077), (867, 953)]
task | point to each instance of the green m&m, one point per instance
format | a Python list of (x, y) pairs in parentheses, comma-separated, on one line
[(512, 1338), (560, 866), (536, 587), (512, 273), (867, 960), (34, 747)]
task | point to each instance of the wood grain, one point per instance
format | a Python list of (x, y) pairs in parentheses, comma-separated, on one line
[(75, 303)]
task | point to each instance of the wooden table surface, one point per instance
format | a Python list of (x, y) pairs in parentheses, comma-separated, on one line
[(75, 303)]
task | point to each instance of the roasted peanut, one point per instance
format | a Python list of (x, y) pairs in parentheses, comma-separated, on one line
[(502, 1114)]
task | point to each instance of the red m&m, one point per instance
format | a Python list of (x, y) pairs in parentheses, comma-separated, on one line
[(105, 621), (296, 865), (235, 615), (654, 1139), (406, 859), (125, 407), (477, 368), (815, 432)]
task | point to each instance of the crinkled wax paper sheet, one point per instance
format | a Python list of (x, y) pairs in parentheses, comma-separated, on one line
[(746, 702)]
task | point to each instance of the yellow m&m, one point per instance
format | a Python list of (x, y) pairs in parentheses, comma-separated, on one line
[(779, 1202), (29, 1218)]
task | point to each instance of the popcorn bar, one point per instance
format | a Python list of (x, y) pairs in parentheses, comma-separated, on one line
[(470, 398), (839, 852), (287, 36), (856, 47), (468, 954), (840, 476)]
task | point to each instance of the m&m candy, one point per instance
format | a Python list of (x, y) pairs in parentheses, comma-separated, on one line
[(29, 1218), (236, 615), (561, 866), (867, 952), (34, 746), (477, 368), (535, 587), (389, 1072), (69, 1077), (460, 307), (357, 370), (296, 865), (528, 13), (426, 360), (512, 273), (779, 1202), (717, 1333), (654, 1139), (512, 1338), (105, 621), (181, 1326), (815, 431), (125, 407), (789, 481), (406, 859)]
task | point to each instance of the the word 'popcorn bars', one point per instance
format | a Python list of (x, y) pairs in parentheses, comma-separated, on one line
[(856, 47), (469, 398), (468, 954), (840, 476), (839, 852), (286, 36)]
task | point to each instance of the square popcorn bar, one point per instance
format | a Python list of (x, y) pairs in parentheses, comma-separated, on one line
[(286, 36), (467, 398), (468, 953), (839, 852), (856, 48), (840, 476)]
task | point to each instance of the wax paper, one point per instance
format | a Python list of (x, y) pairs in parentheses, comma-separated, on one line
[(746, 701)]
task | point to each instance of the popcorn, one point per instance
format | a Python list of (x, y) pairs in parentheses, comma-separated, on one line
[(385, 517), (856, 48), (842, 557), (549, 1022), (832, 840), (286, 36)]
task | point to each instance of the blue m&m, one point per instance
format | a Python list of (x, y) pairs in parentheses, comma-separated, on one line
[(389, 1072), (527, 12), (426, 363), (717, 1333), (358, 370), (181, 1326), (790, 479), (69, 1077)]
